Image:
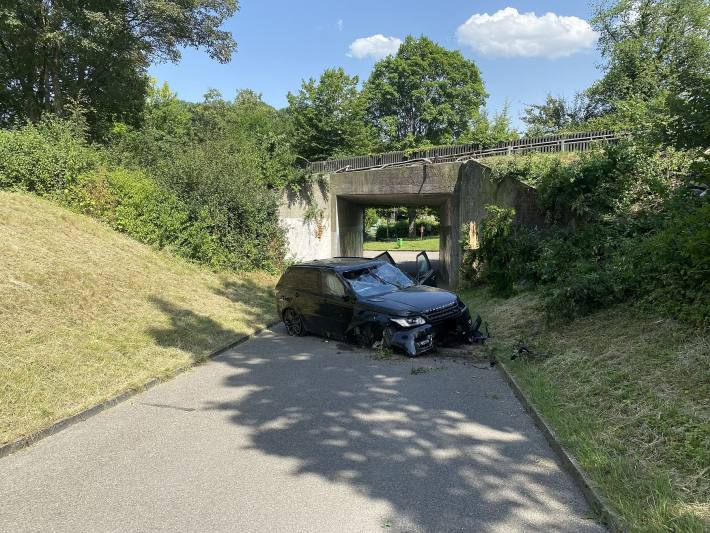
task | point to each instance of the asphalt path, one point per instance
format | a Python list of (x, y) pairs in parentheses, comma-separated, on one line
[(300, 435)]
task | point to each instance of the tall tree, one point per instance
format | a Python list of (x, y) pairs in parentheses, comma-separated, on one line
[(98, 52), (649, 47), (328, 117), (556, 114), (425, 94)]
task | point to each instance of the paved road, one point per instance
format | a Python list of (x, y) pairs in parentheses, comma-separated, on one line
[(299, 435)]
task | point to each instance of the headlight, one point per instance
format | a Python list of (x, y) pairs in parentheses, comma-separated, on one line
[(409, 322)]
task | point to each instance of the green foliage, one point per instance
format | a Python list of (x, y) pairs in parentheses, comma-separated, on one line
[(45, 157), (328, 118), (624, 228), (503, 256), (208, 203), (53, 53), (557, 115), (649, 47), (424, 95), (489, 131), (400, 229)]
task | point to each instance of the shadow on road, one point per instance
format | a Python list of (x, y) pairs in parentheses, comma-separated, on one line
[(439, 447)]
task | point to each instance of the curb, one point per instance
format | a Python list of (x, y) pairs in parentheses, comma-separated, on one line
[(64, 423), (596, 501)]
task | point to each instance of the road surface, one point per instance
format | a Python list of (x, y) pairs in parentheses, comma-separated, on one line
[(300, 435)]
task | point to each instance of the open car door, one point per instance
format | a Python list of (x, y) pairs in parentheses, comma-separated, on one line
[(385, 256), (425, 274)]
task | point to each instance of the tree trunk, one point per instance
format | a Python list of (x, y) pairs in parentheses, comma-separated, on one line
[(412, 215)]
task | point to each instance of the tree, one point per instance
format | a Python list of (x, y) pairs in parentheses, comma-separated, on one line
[(97, 52), (556, 114), (649, 47), (424, 95), (490, 131), (328, 117)]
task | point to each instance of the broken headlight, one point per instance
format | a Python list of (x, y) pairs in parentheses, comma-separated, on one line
[(409, 322)]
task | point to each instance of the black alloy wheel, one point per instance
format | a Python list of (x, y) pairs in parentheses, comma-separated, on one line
[(293, 322)]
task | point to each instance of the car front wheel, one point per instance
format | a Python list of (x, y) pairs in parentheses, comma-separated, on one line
[(294, 323)]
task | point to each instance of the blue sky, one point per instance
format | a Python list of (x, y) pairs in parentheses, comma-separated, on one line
[(281, 42)]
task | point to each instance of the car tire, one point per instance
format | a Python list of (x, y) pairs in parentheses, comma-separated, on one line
[(294, 322), (387, 337), (366, 336)]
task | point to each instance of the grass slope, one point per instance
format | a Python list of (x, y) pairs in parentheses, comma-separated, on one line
[(629, 396), (430, 244), (86, 313)]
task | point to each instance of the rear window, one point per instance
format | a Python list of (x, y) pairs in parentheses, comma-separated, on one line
[(301, 278)]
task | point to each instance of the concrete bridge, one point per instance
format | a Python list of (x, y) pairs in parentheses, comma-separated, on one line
[(326, 220)]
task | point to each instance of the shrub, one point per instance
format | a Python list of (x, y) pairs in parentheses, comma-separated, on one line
[(400, 229), (46, 157), (635, 234)]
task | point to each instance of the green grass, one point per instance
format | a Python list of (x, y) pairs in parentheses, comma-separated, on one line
[(430, 244), (87, 313), (629, 396)]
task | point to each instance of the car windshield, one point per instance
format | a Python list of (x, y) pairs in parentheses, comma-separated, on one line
[(378, 279)]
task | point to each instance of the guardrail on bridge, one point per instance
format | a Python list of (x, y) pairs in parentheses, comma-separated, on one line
[(574, 142)]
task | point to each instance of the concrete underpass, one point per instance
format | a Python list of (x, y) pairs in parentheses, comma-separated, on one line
[(326, 220)]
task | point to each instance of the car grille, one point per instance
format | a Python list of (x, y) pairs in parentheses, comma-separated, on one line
[(437, 315)]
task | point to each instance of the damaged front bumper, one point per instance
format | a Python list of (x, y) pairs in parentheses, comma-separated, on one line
[(413, 341), (459, 330)]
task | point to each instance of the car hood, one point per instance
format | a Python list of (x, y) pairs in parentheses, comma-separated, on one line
[(417, 299)]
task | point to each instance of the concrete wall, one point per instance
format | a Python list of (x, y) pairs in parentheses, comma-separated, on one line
[(476, 190), (461, 191), (304, 241)]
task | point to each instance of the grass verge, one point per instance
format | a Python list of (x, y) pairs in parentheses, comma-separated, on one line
[(628, 394), (430, 244), (87, 313)]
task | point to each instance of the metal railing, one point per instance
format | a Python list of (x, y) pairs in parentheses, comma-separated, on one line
[(572, 142)]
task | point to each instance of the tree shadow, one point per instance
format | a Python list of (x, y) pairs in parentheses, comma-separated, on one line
[(450, 450), (199, 334)]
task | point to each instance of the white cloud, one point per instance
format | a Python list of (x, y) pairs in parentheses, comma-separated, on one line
[(340, 24), (509, 33), (375, 46)]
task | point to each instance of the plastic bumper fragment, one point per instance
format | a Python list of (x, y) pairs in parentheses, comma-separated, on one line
[(413, 341)]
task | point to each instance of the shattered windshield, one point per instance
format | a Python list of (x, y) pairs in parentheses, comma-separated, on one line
[(378, 279)]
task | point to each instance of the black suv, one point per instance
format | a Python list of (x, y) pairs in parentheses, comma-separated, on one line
[(371, 300)]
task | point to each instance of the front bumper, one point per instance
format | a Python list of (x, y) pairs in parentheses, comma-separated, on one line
[(460, 329), (414, 341)]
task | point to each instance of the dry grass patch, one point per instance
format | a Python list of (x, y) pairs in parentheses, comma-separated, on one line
[(629, 396), (86, 313)]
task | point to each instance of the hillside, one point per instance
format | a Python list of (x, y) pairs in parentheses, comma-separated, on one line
[(87, 313)]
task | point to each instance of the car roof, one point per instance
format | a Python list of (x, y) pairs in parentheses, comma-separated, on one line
[(341, 264)]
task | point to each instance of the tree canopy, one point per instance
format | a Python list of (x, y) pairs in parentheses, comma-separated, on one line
[(425, 94), (97, 52), (328, 117), (648, 47)]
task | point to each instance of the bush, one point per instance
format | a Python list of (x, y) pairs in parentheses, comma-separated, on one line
[(46, 157), (636, 234), (400, 229), (208, 202)]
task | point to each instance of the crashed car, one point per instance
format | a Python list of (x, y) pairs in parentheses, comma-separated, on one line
[(372, 301)]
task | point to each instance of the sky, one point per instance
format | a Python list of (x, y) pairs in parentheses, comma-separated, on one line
[(524, 49)]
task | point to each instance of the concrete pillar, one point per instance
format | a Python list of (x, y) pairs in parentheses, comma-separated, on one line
[(350, 221)]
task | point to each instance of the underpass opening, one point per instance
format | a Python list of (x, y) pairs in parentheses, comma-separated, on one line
[(353, 233)]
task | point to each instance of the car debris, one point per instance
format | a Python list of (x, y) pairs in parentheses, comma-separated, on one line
[(374, 303)]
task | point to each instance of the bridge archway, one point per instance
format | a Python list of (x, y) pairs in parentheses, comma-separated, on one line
[(460, 190)]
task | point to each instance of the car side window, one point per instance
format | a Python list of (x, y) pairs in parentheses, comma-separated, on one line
[(307, 280), (332, 286), (288, 280)]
